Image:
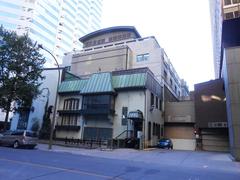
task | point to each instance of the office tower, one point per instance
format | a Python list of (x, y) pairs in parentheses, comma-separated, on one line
[(56, 24)]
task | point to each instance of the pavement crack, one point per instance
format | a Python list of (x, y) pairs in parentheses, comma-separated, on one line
[(187, 156), (46, 174), (117, 177)]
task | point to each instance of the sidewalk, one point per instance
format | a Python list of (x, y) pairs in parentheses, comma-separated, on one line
[(200, 159)]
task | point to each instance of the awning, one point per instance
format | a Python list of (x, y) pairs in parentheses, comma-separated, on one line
[(135, 115)]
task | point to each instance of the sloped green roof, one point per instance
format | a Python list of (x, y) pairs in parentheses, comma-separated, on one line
[(130, 80), (98, 83), (104, 83), (70, 77), (72, 86)]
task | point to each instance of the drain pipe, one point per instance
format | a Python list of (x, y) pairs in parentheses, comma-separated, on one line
[(144, 118)]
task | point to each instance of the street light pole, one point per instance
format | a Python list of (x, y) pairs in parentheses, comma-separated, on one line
[(55, 103)]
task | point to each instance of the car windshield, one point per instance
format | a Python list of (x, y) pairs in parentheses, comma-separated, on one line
[(164, 140)]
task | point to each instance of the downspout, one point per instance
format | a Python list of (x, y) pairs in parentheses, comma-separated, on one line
[(144, 119)]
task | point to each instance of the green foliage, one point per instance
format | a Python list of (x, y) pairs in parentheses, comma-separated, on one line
[(21, 66)]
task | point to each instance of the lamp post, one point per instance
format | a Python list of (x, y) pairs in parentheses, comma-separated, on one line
[(55, 103)]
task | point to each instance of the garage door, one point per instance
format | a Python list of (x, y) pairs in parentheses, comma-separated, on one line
[(215, 140), (182, 136)]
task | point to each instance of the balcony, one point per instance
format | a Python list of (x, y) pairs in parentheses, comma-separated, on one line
[(65, 112), (67, 127)]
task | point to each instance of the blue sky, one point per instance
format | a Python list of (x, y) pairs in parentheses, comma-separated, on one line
[(182, 28)]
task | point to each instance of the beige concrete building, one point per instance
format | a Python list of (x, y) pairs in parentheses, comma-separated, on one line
[(100, 106), (231, 9), (118, 59), (122, 48)]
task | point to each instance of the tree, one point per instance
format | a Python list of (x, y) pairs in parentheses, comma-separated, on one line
[(21, 66)]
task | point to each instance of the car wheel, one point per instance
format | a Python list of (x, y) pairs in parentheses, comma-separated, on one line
[(16, 145)]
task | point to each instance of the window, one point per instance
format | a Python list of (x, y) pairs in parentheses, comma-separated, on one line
[(124, 115), (236, 14), (235, 1), (139, 58), (227, 2), (229, 15), (152, 99), (145, 57), (149, 131), (165, 74), (162, 131), (158, 131), (69, 120), (142, 57), (71, 104), (98, 102), (160, 104), (154, 129), (175, 88), (157, 102), (171, 82)]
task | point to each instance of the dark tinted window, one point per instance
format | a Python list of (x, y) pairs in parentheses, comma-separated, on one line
[(227, 2), (17, 133), (97, 102), (7, 133), (31, 134)]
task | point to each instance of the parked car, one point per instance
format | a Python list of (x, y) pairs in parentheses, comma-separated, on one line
[(19, 138), (165, 143)]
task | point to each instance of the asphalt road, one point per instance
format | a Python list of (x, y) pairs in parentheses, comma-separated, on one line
[(19, 164)]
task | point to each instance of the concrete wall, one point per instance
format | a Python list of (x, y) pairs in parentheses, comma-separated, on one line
[(154, 63), (116, 55), (154, 116), (183, 111), (134, 100), (109, 37), (231, 74), (105, 60)]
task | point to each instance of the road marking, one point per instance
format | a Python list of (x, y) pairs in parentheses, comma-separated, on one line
[(61, 169)]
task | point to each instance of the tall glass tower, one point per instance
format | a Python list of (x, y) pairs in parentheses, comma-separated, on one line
[(57, 24)]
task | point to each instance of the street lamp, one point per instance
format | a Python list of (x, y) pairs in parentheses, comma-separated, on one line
[(55, 103)]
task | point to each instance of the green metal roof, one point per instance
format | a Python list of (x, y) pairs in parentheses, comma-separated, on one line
[(72, 86), (98, 83), (130, 80), (70, 77), (104, 83)]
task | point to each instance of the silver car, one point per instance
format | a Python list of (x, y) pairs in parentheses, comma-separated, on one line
[(19, 138)]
